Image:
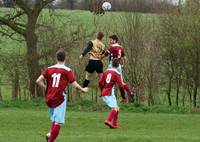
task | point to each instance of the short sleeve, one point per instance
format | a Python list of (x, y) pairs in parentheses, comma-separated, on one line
[(44, 73), (71, 76)]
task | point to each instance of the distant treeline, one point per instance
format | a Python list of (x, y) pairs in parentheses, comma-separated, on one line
[(146, 6)]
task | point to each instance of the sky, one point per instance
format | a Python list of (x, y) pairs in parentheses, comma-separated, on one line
[(176, 1)]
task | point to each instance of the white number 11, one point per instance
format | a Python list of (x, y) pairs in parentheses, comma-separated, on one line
[(56, 79)]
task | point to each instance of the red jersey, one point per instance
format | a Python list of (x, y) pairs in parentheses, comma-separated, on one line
[(57, 77), (109, 78), (115, 51)]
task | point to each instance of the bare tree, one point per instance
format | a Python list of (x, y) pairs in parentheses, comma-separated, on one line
[(27, 29), (0, 91)]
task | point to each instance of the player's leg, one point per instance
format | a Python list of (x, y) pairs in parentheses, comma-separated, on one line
[(126, 87), (112, 103), (115, 110), (52, 126), (89, 70), (58, 118), (87, 79), (99, 68), (54, 132), (115, 119)]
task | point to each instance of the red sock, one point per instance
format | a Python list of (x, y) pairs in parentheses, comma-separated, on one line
[(115, 119), (54, 132), (128, 89), (52, 125), (111, 115)]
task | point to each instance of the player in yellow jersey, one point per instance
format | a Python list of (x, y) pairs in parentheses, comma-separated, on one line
[(95, 48)]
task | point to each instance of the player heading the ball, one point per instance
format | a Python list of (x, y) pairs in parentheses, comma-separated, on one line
[(117, 51), (95, 48)]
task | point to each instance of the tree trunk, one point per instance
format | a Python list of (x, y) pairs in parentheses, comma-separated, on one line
[(150, 92), (169, 92), (195, 91), (178, 85), (177, 90), (15, 85), (177, 95), (150, 97), (32, 57), (92, 95), (1, 98), (183, 100), (96, 97), (19, 92), (196, 79), (190, 100)]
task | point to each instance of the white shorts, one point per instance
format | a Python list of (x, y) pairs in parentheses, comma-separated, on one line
[(57, 114), (111, 101)]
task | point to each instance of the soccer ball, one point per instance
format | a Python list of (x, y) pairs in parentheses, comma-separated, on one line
[(106, 6)]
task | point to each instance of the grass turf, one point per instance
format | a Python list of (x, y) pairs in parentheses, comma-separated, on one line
[(30, 125)]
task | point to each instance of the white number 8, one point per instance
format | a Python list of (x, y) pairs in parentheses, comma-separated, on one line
[(108, 78)]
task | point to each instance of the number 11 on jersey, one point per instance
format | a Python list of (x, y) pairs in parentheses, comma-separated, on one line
[(56, 79)]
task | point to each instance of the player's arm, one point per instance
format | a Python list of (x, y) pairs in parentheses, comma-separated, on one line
[(40, 81), (71, 79), (105, 54), (121, 87), (87, 49), (77, 86), (123, 58), (120, 81)]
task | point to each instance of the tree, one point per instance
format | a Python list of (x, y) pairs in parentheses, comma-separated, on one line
[(27, 29), (71, 3)]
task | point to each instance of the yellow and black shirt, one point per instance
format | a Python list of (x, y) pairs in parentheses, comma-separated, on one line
[(95, 49)]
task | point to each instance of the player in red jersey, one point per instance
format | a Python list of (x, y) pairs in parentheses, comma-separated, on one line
[(57, 78), (117, 51), (107, 81)]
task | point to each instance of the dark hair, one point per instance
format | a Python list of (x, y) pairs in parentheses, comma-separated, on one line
[(61, 55), (100, 35), (115, 62), (114, 37)]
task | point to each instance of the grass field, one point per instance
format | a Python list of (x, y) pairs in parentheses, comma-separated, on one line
[(30, 125)]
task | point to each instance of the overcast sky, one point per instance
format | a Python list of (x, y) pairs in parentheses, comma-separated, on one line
[(176, 1)]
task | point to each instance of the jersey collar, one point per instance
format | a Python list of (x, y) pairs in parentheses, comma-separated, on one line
[(115, 70), (115, 44)]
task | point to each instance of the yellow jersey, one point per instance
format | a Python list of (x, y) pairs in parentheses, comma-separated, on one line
[(97, 49)]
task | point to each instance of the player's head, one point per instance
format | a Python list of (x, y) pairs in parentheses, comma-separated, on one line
[(115, 63), (61, 55), (100, 35), (113, 39)]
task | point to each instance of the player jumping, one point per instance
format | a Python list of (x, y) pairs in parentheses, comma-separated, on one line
[(95, 49), (116, 51), (109, 79), (57, 78)]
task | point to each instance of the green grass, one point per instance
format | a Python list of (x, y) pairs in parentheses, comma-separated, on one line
[(30, 125)]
